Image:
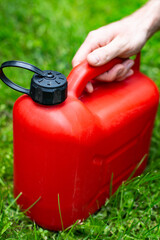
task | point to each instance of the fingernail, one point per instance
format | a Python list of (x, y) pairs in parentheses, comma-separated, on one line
[(130, 73), (119, 72), (130, 64), (93, 59)]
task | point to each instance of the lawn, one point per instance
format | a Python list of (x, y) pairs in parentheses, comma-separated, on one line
[(47, 34)]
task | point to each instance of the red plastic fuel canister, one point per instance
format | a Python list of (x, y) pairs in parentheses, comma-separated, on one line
[(65, 155)]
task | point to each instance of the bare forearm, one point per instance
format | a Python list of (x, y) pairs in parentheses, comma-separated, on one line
[(150, 17)]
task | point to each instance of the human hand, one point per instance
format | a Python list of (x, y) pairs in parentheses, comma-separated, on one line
[(123, 39)]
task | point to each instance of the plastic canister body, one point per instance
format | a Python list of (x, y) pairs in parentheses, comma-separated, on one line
[(66, 155)]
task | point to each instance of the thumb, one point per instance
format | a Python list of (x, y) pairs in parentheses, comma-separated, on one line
[(102, 55)]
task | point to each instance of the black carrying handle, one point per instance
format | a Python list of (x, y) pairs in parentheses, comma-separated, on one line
[(18, 64)]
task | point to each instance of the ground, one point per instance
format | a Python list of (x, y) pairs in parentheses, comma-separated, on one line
[(47, 34)]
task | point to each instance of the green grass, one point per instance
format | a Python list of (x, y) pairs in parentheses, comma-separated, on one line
[(47, 34)]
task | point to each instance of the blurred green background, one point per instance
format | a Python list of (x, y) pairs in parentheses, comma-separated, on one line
[(47, 34)]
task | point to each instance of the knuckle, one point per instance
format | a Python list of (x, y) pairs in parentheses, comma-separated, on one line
[(91, 34)]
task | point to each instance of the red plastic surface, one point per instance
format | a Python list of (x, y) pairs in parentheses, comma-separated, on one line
[(70, 151)]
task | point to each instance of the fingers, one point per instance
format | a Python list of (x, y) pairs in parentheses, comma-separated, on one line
[(128, 64), (89, 87), (81, 54), (112, 74), (130, 72), (118, 72), (95, 39), (102, 55)]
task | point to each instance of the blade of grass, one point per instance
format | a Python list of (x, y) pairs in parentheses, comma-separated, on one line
[(138, 165), (32, 205), (14, 201), (59, 207)]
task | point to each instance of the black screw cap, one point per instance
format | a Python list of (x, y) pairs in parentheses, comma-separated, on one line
[(49, 89)]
